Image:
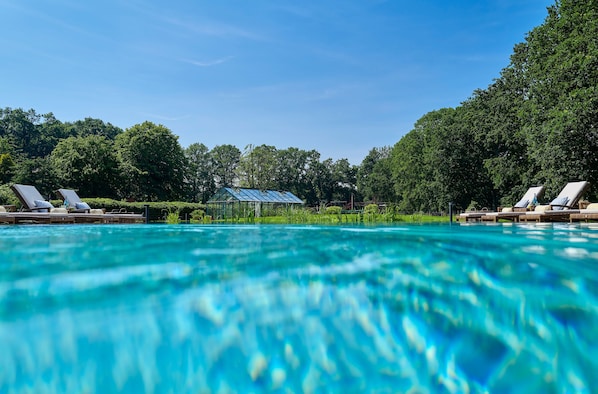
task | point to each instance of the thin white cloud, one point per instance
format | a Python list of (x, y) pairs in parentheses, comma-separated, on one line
[(208, 63), (214, 29), (193, 25)]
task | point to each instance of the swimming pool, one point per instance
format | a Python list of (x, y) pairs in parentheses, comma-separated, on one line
[(303, 309)]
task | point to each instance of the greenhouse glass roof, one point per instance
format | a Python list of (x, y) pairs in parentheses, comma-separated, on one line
[(229, 194)]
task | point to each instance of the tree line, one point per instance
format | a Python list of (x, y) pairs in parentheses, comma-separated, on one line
[(534, 124), (537, 123), (146, 162)]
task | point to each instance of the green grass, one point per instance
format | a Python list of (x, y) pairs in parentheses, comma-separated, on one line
[(301, 217)]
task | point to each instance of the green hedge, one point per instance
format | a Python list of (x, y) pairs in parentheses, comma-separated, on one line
[(158, 211)]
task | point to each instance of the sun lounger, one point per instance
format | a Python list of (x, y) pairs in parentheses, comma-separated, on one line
[(559, 209), (31, 199), (472, 216), (513, 213), (73, 202), (83, 213), (590, 213), (510, 213), (37, 210)]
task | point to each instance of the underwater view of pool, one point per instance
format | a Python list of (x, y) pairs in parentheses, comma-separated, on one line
[(299, 309)]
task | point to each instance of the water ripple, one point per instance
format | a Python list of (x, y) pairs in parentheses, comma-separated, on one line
[(438, 309)]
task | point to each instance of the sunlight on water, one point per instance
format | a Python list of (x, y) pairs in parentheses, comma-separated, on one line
[(304, 309)]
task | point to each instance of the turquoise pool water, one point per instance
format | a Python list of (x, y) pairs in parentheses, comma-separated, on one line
[(298, 309)]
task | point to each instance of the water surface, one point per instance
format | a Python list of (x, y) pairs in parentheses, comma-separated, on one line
[(300, 309)]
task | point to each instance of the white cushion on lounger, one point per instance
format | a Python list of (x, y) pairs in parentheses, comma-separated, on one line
[(592, 207), (559, 203), (82, 205), (42, 204)]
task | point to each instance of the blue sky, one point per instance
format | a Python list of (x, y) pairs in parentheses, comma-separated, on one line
[(338, 76)]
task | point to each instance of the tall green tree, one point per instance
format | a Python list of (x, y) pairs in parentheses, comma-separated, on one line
[(257, 167), (18, 126), (322, 180), (344, 178), (49, 132), (561, 107), (495, 115), (411, 175), (224, 161), (153, 162), (37, 171), (88, 164), (7, 167), (31, 134), (291, 172), (374, 176), (457, 162), (91, 126), (200, 176), (7, 162), (438, 162)]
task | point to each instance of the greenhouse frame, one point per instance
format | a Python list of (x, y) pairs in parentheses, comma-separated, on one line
[(230, 202)]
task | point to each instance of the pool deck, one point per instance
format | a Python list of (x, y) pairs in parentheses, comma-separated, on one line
[(64, 218)]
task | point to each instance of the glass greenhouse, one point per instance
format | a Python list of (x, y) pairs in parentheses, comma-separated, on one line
[(230, 202)]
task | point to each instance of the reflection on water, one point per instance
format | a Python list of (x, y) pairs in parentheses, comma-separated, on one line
[(438, 309)]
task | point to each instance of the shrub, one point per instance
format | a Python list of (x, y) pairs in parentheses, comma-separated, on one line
[(172, 218), (371, 209), (198, 214), (7, 197), (333, 210)]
